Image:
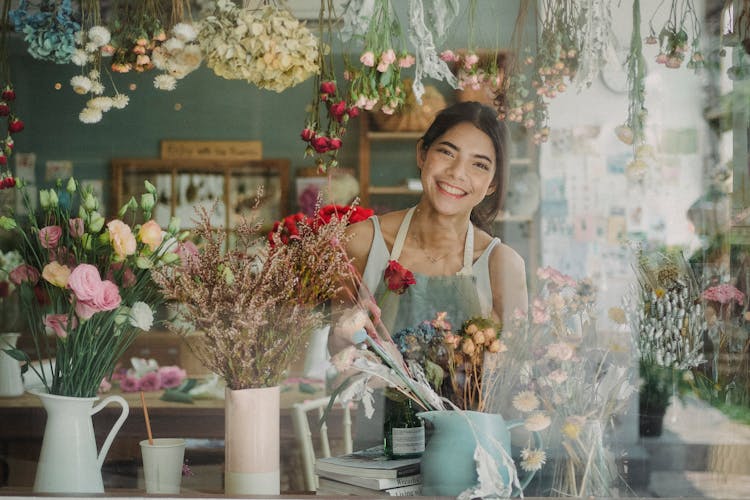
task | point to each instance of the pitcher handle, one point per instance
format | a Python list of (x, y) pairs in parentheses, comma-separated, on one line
[(121, 420), (539, 444)]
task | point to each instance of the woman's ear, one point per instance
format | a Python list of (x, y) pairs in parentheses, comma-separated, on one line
[(421, 154), (491, 189)]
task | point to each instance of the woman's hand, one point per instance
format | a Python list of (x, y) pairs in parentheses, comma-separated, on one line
[(353, 325)]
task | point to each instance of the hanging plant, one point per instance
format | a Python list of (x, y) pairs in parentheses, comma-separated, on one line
[(632, 132), (376, 82), (180, 54), (268, 47), (738, 34), (329, 103), (679, 37), (48, 27), (7, 103), (92, 43), (598, 42)]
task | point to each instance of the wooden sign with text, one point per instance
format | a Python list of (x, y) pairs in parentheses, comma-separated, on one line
[(211, 150)]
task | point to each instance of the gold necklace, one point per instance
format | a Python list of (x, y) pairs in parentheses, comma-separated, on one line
[(430, 257)]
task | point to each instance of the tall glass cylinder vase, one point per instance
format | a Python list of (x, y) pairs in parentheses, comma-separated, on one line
[(251, 442)]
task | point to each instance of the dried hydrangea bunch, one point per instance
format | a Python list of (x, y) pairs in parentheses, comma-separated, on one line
[(178, 56), (268, 47)]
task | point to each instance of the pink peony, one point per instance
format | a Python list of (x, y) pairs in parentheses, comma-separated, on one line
[(129, 384), (49, 236), (76, 227), (171, 376), (150, 381), (121, 237), (24, 272), (85, 282)]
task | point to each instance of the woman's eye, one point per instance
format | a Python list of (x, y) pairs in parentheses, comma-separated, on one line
[(483, 166), (446, 152)]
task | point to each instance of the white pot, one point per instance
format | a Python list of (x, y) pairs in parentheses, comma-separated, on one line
[(11, 382)]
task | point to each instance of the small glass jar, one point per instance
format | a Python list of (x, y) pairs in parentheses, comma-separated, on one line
[(403, 430)]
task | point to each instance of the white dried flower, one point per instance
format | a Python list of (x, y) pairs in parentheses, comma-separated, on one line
[(159, 57), (80, 38), (81, 84), (119, 101), (90, 115), (532, 460), (97, 88), (94, 74), (537, 421), (525, 401), (99, 35), (141, 316), (91, 47), (103, 103), (185, 32), (79, 57), (165, 82), (174, 44)]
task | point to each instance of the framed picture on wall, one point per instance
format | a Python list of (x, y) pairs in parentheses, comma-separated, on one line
[(229, 189)]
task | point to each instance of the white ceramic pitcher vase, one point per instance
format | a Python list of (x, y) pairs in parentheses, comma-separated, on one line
[(11, 383), (69, 462)]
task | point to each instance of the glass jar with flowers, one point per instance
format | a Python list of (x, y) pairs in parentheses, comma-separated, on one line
[(86, 290)]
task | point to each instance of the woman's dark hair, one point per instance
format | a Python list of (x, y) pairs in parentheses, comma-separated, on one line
[(485, 119)]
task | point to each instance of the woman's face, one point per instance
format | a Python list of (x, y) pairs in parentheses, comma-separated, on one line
[(457, 170)]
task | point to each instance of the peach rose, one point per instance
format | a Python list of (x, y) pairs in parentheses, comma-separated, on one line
[(122, 238), (57, 274), (151, 234)]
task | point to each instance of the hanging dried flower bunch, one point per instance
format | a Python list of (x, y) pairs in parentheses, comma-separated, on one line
[(377, 80), (324, 141), (180, 54), (93, 42), (679, 38), (138, 27), (738, 34), (268, 47), (49, 28), (7, 102)]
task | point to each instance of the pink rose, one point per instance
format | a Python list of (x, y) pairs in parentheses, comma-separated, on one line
[(56, 274), (388, 57), (108, 297), (85, 282), (448, 56), (188, 253), (76, 227), (171, 376), (383, 67), (121, 237), (151, 234), (129, 384), (150, 381), (49, 236), (24, 272), (85, 310), (407, 61), (57, 324), (368, 59)]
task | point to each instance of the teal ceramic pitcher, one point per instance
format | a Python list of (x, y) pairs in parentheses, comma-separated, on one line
[(448, 466)]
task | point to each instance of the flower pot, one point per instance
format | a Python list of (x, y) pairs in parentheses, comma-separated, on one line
[(11, 383), (69, 462), (251, 442), (448, 467)]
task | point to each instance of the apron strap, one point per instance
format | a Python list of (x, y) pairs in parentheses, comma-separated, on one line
[(398, 244)]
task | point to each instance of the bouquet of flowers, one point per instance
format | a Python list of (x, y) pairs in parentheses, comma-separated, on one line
[(86, 283), (147, 375), (257, 303), (560, 375), (667, 321)]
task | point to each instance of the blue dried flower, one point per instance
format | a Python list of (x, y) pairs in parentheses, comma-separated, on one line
[(50, 32)]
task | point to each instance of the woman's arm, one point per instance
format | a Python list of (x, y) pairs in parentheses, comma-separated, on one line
[(344, 305), (508, 281)]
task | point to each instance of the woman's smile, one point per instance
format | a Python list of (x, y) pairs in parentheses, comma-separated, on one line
[(450, 190)]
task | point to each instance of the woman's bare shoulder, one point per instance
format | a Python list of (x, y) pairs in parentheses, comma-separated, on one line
[(505, 257), (359, 239)]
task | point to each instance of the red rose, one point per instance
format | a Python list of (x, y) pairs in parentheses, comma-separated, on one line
[(321, 144), (338, 109), (308, 134), (356, 214), (397, 277), (15, 125), (3, 161), (4, 109), (328, 88), (4, 289), (353, 112), (359, 214), (287, 229), (9, 94), (335, 143), (41, 295)]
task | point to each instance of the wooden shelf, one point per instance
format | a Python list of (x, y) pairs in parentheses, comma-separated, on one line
[(393, 190), (394, 136), (513, 218)]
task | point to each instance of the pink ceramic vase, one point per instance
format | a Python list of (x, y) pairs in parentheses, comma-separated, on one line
[(251, 442)]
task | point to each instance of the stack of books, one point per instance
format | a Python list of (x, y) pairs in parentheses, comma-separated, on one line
[(368, 472)]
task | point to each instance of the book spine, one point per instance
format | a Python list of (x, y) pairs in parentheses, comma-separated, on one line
[(405, 491)]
